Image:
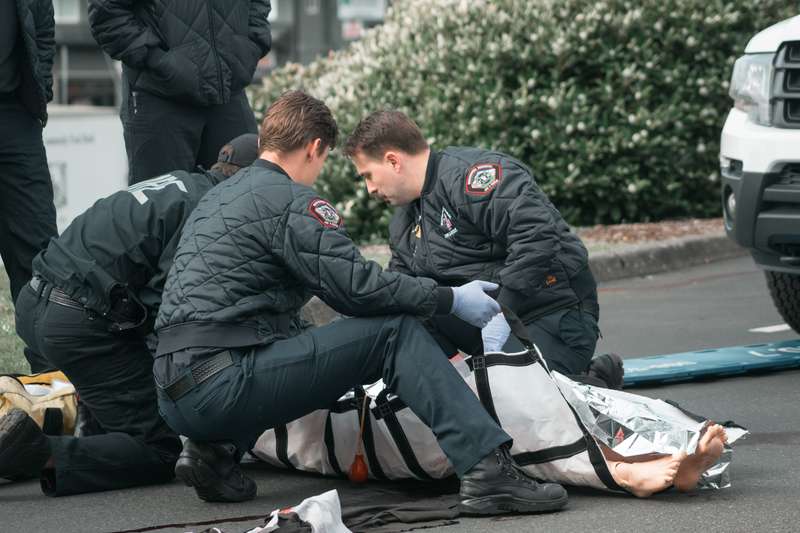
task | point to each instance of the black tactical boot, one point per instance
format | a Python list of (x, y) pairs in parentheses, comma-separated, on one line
[(497, 485), (609, 369), (214, 472), (24, 449)]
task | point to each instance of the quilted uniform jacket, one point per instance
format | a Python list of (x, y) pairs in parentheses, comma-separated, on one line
[(482, 216), (195, 51), (38, 35), (252, 253)]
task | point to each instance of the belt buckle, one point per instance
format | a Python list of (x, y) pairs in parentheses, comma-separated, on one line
[(383, 409), (36, 284)]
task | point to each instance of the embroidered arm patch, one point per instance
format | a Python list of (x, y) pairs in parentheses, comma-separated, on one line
[(482, 178), (325, 213)]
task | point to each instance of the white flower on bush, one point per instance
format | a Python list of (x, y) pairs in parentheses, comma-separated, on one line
[(629, 72), (559, 45), (632, 188), (494, 73)]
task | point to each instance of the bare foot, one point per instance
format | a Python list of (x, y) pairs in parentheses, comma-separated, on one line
[(648, 477), (707, 453)]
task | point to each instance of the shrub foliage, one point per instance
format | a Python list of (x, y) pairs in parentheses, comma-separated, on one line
[(617, 105)]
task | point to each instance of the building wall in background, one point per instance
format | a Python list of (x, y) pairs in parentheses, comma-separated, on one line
[(86, 157)]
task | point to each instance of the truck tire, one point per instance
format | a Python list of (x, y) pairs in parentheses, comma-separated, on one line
[(785, 291)]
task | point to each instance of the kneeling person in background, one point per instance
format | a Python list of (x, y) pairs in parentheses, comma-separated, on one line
[(90, 309)]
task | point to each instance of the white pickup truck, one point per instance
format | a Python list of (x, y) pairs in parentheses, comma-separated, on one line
[(760, 161)]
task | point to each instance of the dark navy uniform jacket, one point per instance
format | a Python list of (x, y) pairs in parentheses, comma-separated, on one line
[(253, 252), (124, 242), (482, 216)]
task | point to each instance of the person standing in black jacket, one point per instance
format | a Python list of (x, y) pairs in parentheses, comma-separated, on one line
[(27, 213), (90, 309), (185, 66), (467, 213)]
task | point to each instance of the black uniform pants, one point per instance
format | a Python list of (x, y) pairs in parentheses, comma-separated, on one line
[(27, 213), (162, 135), (112, 374), (272, 385), (567, 339)]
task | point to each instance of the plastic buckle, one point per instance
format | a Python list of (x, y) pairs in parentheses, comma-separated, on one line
[(384, 410), (478, 363)]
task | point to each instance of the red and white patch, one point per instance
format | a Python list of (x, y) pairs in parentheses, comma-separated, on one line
[(325, 213), (482, 178)]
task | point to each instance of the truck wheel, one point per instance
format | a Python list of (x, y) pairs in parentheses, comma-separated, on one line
[(785, 291)]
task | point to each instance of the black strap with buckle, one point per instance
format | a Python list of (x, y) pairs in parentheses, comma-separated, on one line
[(199, 373), (57, 296)]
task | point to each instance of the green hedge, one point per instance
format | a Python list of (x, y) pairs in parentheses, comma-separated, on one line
[(617, 105)]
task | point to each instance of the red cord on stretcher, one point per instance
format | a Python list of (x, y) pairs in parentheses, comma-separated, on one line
[(358, 470)]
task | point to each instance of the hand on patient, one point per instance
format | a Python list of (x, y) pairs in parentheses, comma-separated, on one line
[(471, 303), (495, 333)]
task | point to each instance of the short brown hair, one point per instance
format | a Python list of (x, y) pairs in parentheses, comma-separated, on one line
[(382, 131), (294, 120)]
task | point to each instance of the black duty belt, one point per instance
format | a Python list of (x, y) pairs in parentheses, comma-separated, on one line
[(198, 374), (124, 314), (57, 296)]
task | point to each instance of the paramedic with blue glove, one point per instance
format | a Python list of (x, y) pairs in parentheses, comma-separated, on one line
[(466, 213)]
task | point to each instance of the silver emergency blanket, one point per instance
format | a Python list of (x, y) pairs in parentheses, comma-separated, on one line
[(633, 425)]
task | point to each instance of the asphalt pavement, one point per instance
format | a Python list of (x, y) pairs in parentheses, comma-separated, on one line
[(703, 307)]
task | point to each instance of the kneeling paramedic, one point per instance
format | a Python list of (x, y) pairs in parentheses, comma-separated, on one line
[(465, 214), (89, 309), (233, 359)]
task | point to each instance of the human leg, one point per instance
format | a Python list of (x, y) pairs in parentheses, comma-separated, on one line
[(112, 374), (222, 123), (566, 338), (27, 213), (290, 378), (24, 449), (709, 449), (161, 135), (287, 379), (453, 334), (644, 476)]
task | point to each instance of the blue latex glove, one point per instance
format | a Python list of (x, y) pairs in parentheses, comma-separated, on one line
[(471, 303), (495, 333)]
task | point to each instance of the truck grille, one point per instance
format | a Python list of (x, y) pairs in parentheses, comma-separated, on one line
[(786, 88), (793, 52), (792, 81), (790, 174)]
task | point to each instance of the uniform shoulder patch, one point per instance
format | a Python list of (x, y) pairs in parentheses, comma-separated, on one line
[(325, 213), (482, 178)]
